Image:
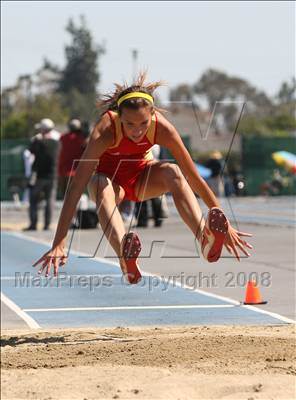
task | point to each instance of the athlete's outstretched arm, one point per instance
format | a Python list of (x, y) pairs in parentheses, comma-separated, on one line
[(167, 136), (101, 138)]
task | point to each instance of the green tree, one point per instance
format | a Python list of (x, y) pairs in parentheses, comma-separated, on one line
[(251, 125), (287, 91), (80, 74), (216, 85), (231, 92), (6, 103), (20, 123), (16, 126), (281, 122), (50, 106), (182, 93), (54, 92), (271, 125), (47, 78)]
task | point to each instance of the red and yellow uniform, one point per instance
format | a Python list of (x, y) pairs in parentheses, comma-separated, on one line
[(125, 160)]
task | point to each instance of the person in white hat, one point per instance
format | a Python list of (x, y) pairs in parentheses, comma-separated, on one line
[(46, 127), (42, 184)]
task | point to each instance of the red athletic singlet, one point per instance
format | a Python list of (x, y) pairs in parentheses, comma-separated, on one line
[(125, 160)]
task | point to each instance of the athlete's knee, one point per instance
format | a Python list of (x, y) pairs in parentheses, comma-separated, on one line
[(100, 188), (174, 177)]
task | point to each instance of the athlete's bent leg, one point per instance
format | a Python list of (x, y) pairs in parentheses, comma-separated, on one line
[(163, 177), (107, 196)]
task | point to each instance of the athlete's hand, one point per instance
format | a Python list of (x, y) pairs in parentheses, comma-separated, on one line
[(233, 241), (55, 258)]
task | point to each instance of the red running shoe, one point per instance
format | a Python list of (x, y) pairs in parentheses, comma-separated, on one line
[(213, 234), (130, 250)]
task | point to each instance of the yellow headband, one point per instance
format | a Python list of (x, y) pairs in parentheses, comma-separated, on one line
[(133, 95)]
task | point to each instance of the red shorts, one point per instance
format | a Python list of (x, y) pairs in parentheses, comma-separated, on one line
[(125, 173)]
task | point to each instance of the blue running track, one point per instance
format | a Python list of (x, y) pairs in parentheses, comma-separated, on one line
[(91, 292)]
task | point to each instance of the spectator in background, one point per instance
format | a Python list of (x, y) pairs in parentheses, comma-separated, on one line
[(28, 158), (47, 126), (85, 129), (72, 146), (44, 147), (214, 163)]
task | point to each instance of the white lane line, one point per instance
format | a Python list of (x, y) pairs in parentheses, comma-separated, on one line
[(122, 308), (234, 302), (7, 278), (272, 314), (21, 313), (212, 295)]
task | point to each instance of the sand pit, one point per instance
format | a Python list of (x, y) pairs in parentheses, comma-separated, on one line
[(156, 363)]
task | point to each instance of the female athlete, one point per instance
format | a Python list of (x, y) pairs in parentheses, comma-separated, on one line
[(117, 164)]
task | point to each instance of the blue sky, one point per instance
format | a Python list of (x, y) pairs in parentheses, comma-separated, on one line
[(176, 41)]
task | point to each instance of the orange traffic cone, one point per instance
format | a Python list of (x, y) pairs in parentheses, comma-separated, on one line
[(253, 295)]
